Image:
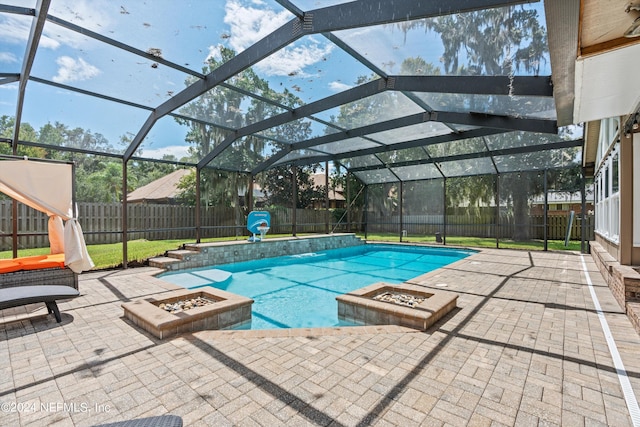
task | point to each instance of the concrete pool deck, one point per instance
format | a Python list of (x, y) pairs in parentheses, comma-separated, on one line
[(525, 346)]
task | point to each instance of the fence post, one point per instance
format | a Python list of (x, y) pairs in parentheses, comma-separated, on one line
[(198, 206), (546, 209), (444, 208), (294, 175), (400, 197), (497, 231), (583, 197)]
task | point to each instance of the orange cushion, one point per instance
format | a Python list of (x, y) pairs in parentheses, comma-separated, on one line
[(56, 257), (47, 261), (29, 259), (34, 262), (9, 265)]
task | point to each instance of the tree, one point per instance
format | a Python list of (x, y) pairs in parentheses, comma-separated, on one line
[(187, 189), (279, 186), (496, 41), (103, 185), (27, 133)]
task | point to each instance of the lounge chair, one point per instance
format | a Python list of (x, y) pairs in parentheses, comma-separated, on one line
[(22, 295)]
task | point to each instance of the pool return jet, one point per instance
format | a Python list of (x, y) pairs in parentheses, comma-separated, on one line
[(258, 222)]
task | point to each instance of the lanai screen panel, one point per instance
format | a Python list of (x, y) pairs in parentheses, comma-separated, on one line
[(377, 108), (383, 209), (181, 34), (522, 139), (360, 161), (228, 108), (455, 148), (412, 154), (422, 208), (518, 191), (169, 136), (471, 207), (315, 4), (416, 47), (346, 145), (77, 120), (310, 68), (502, 105), (417, 172), (8, 106), (539, 160), (15, 41), (477, 166), (376, 176), (244, 154), (88, 64), (296, 155), (296, 130), (413, 132)]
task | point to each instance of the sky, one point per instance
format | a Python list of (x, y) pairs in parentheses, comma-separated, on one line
[(186, 33)]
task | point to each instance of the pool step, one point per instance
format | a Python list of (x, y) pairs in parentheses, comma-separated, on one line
[(182, 254), (162, 261), (172, 257)]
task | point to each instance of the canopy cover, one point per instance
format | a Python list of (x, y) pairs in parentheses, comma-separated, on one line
[(48, 187)]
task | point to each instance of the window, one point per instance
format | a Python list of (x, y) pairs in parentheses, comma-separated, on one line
[(608, 197), (615, 182)]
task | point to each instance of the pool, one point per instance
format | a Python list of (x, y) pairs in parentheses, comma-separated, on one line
[(299, 291)]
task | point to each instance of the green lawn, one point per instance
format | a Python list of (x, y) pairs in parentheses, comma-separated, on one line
[(110, 255), (479, 242)]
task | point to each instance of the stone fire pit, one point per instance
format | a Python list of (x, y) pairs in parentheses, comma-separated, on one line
[(190, 310), (405, 305)]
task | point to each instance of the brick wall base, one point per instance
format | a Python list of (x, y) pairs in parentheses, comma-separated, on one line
[(623, 280)]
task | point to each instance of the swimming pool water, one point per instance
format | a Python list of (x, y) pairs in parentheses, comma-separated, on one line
[(299, 291)]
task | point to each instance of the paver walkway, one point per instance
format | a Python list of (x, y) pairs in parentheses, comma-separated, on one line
[(524, 347)]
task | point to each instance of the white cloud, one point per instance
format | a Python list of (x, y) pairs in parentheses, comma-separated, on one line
[(87, 13), (14, 30), (339, 86), (249, 23), (8, 57), (71, 70), (293, 60), (90, 14), (179, 151)]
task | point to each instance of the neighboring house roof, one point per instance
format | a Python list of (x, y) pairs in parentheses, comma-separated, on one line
[(161, 190)]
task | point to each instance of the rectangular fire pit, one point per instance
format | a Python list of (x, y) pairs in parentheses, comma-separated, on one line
[(222, 310), (405, 305)]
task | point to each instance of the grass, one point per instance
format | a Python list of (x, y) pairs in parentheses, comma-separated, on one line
[(479, 242), (110, 255)]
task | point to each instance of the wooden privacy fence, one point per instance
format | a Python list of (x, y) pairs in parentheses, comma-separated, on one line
[(102, 223)]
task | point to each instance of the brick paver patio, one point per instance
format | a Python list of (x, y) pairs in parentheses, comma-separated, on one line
[(524, 347)]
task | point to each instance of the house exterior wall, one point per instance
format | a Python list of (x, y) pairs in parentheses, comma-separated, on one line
[(618, 182), (634, 221), (616, 258)]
